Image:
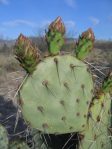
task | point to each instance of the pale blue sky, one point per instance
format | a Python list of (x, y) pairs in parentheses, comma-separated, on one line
[(32, 16)]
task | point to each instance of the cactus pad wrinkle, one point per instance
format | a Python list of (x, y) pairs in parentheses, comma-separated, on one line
[(56, 96), (3, 138)]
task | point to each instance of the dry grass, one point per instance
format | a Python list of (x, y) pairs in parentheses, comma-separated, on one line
[(11, 75), (99, 56), (8, 63)]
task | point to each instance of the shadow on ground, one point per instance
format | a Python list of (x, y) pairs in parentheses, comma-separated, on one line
[(8, 117)]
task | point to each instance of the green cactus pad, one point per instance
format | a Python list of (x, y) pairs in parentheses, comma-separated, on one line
[(55, 36), (85, 44), (55, 41), (83, 49), (56, 97), (97, 134), (3, 138), (18, 145)]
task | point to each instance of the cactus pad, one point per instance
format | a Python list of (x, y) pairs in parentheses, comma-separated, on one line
[(56, 97), (97, 135), (3, 138)]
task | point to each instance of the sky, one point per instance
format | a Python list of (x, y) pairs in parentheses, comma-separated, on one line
[(32, 17)]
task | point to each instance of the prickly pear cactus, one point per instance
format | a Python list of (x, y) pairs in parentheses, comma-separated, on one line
[(57, 96), (3, 138)]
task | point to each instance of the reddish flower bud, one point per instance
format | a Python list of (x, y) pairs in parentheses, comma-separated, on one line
[(57, 25), (88, 34)]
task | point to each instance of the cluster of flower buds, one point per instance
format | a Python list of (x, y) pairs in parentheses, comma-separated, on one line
[(26, 53)]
